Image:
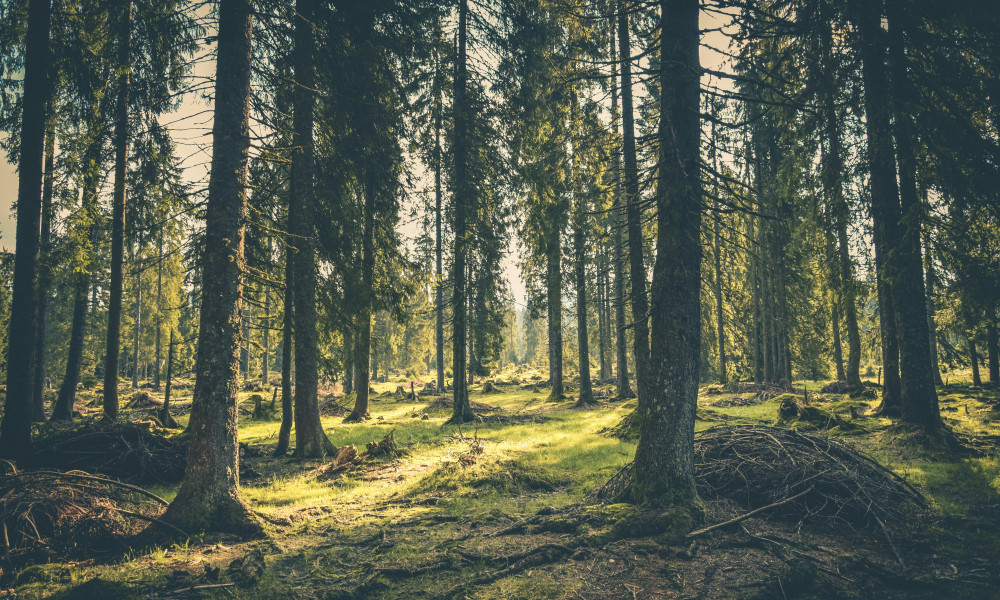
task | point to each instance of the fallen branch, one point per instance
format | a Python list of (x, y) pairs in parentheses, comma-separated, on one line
[(745, 516), (129, 513), (134, 488)]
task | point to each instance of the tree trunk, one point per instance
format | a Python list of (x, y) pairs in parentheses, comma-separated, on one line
[(166, 418), (838, 353), (363, 349), (931, 324), (348, 359), (15, 429), (265, 367), (209, 498), (920, 401), (113, 345), (618, 223), (288, 326), (603, 314), (580, 258), (974, 359), (720, 315), (833, 182), (885, 198), (993, 350), (138, 314), (664, 458), (438, 239), (159, 310), (633, 212), (462, 412), (44, 281), (553, 296), (310, 439)]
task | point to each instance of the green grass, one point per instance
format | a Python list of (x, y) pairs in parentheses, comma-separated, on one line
[(536, 454)]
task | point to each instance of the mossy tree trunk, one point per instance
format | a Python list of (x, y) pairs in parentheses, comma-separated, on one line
[(664, 458), (209, 497)]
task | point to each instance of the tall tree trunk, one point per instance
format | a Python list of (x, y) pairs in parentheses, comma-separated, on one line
[(664, 457), (931, 324), (438, 239), (885, 198), (633, 211), (974, 359), (138, 313), (15, 429), (920, 401), (363, 348), (287, 340), (462, 412), (838, 353), (993, 350), (618, 223), (44, 281), (349, 358), (159, 310), (602, 316), (553, 296), (580, 259), (166, 418), (310, 439), (833, 182), (209, 497), (113, 345), (265, 367)]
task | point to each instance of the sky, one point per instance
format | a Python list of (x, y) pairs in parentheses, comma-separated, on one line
[(191, 125)]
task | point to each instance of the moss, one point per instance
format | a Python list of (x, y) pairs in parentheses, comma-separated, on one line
[(98, 589), (51, 573)]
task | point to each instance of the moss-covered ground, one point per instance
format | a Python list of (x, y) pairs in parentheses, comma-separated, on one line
[(498, 509)]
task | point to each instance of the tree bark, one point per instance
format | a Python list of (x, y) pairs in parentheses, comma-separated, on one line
[(974, 359), (462, 411), (993, 350), (633, 211), (553, 296), (664, 458), (310, 439), (265, 367), (288, 326), (44, 281), (580, 260), (157, 351), (885, 198), (113, 345), (618, 223), (920, 401), (838, 353), (15, 429), (438, 239), (363, 349), (138, 315), (931, 324), (209, 498)]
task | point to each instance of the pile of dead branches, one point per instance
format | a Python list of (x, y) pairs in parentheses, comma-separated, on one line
[(759, 465), (799, 476), (51, 515), (134, 451)]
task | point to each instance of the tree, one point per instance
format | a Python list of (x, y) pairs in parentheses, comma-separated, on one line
[(310, 440), (209, 497), (15, 429), (664, 460)]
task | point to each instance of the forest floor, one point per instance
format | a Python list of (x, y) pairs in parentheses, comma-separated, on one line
[(500, 509)]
